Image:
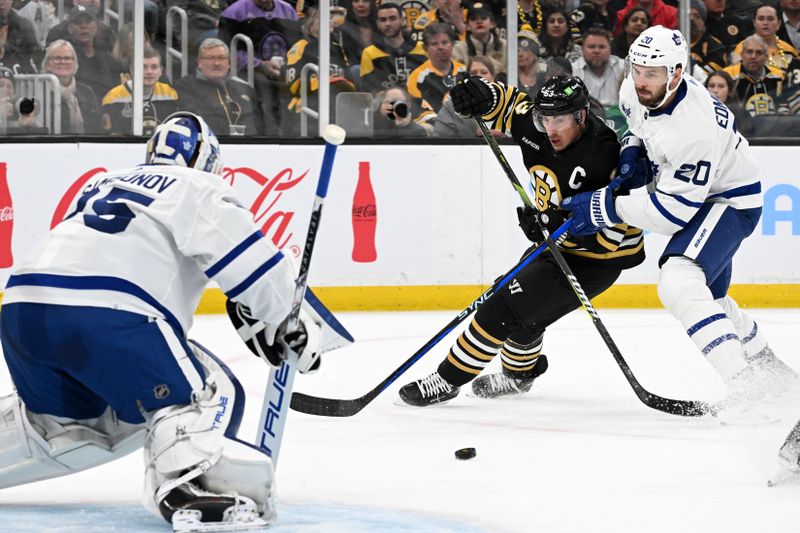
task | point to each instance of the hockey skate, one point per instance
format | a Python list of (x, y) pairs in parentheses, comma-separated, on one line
[(428, 391), (776, 378), (788, 459), (501, 384), (191, 509)]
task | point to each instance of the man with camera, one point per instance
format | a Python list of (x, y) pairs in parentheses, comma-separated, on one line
[(393, 118), (17, 115)]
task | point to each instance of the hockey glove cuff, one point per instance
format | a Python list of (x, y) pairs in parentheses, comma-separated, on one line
[(551, 219), (592, 211), (475, 96), (257, 335), (304, 342)]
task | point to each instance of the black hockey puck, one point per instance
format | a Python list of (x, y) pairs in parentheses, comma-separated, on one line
[(465, 453)]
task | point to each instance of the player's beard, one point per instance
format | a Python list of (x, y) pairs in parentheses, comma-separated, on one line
[(652, 99)]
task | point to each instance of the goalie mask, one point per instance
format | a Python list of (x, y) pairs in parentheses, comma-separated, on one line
[(184, 139), (560, 95)]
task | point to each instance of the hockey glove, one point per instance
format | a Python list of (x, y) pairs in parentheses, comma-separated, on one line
[(634, 166), (593, 211), (551, 219), (475, 96), (272, 343)]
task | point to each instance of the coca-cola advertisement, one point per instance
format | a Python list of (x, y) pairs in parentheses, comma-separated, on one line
[(277, 184)]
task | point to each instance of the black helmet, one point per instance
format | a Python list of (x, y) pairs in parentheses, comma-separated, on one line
[(560, 95)]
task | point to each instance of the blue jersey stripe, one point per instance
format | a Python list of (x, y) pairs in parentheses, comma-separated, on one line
[(703, 323), (681, 199), (240, 248), (666, 214), (95, 283), (252, 278), (744, 190)]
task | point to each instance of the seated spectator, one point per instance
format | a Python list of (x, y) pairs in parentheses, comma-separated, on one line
[(229, 106), (660, 14), (97, 66), (448, 12), (389, 61), (790, 29), (393, 116), (450, 124), (431, 82), (80, 109), (633, 23), (757, 84), (708, 53), (122, 53), (15, 119), (359, 29), (743, 9), (721, 85), (263, 22), (598, 69), (159, 99), (306, 51), (105, 36), (766, 23), (19, 50), (530, 75), (530, 15), (556, 38), (592, 14), (202, 15), (482, 38), (151, 14), (729, 30), (43, 16)]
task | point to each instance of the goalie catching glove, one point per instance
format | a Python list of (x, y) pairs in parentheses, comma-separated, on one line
[(474, 97), (273, 343)]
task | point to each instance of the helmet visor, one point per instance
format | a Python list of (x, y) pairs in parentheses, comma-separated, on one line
[(642, 75)]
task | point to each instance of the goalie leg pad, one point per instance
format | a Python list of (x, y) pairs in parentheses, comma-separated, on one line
[(34, 447), (197, 443)]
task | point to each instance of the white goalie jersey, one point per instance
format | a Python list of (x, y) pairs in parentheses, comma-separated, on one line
[(190, 227), (698, 156)]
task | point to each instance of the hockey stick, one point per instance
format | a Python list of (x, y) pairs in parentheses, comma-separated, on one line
[(281, 380), (338, 407), (666, 405)]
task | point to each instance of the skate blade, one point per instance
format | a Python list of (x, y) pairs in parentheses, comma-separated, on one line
[(188, 521)]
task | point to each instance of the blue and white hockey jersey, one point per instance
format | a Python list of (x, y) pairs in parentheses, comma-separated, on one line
[(699, 157), (147, 240)]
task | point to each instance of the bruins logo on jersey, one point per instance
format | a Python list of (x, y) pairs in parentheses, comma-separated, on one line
[(546, 193)]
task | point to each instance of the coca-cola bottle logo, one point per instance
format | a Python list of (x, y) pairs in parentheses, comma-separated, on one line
[(6, 214)]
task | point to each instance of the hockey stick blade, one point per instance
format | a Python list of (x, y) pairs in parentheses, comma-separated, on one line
[(665, 405), (313, 405)]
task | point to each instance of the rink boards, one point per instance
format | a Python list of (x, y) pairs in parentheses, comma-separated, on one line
[(446, 225)]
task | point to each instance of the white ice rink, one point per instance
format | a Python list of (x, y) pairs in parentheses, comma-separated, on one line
[(579, 453)]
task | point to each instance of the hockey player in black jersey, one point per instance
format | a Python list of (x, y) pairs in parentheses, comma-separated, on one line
[(567, 150)]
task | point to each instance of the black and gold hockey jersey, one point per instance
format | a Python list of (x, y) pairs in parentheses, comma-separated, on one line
[(383, 67), (709, 52), (118, 108), (587, 164), (428, 86)]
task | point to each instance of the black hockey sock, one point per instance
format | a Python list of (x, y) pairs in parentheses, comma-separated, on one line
[(470, 354), (520, 360)]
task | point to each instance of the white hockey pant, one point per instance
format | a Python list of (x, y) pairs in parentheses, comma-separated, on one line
[(34, 447), (189, 443), (716, 333)]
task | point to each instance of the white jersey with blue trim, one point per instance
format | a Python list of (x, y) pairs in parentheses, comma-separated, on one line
[(699, 157), (147, 240)]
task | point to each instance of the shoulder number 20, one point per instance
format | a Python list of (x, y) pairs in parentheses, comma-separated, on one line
[(696, 174)]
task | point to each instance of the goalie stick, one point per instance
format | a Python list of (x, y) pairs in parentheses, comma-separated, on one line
[(281, 380), (313, 405), (666, 405)]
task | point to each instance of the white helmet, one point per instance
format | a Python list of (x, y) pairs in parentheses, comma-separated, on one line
[(658, 46), (184, 139)]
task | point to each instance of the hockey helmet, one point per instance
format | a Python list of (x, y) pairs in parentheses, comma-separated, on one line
[(560, 95), (184, 139), (658, 46)]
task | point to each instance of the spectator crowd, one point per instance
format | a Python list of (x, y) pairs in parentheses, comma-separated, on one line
[(405, 56)]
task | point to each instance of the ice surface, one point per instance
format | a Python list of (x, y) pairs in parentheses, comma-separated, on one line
[(579, 453)]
